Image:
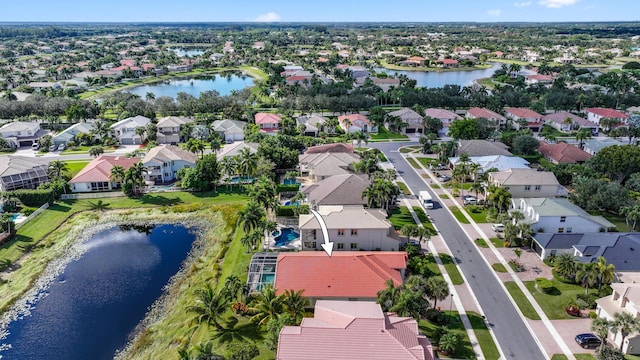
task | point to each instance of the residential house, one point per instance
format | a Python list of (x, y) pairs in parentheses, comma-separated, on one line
[(268, 123), (169, 129), (413, 61), (533, 119), (179, 68), (412, 120), (343, 189), (500, 162), (624, 299), (566, 121), (332, 278), (312, 123), (558, 215), (21, 172), (445, 116), (125, 130), (96, 175), (447, 63), (593, 146), (385, 84), (40, 85), (357, 122), (21, 133), (476, 113), (319, 166), (538, 79), (236, 148), (350, 228), (330, 148), (164, 161), (596, 114), (563, 153), (229, 130), (69, 134), (525, 183), (482, 148), (378, 335)]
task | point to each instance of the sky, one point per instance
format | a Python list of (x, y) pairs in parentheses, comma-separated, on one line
[(319, 10)]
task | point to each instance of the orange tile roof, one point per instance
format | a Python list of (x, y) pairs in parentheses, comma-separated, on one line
[(99, 169), (608, 113), (563, 152), (266, 118), (355, 274)]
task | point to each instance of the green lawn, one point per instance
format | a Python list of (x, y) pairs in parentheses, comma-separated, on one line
[(400, 217), (498, 267), (384, 134), (75, 166), (578, 357), (403, 188), (452, 269), (432, 265), (481, 243), (409, 149), (427, 161), (433, 331), (413, 163), (525, 306), (554, 303), (85, 150), (424, 219), (616, 220), (458, 214), (489, 348), (497, 242), (479, 215)]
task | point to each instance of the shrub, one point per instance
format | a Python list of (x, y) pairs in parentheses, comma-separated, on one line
[(573, 311), (288, 210), (588, 300), (449, 342), (592, 315), (516, 265), (35, 198), (543, 285), (287, 188)]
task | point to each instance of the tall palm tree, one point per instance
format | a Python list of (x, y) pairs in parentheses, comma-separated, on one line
[(247, 162), (625, 324), (500, 198), (388, 297), (101, 128), (134, 177), (587, 275), (229, 167), (251, 216), (295, 304), (437, 289), (601, 327), (266, 305), (606, 272), (57, 169), (423, 233), (117, 174), (210, 306), (582, 135), (232, 286)]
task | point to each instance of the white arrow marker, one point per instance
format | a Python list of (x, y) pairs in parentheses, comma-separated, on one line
[(328, 245)]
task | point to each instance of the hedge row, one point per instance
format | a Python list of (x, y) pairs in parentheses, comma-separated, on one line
[(287, 188), (33, 198), (287, 210)]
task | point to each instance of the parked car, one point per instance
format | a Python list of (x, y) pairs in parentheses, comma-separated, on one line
[(588, 340), (61, 147), (444, 178), (52, 148), (497, 227), (35, 146), (469, 200)]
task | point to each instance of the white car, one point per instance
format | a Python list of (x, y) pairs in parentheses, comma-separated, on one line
[(61, 147), (497, 227), (469, 200)]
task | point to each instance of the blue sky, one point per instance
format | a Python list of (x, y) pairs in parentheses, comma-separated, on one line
[(323, 10)]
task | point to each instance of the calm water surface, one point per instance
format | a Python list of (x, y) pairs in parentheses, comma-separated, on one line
[(188, 52), (220, 83), (99, 299)]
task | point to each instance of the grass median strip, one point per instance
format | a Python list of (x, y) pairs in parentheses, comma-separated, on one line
[(523, 304), (452, 269), (458, 214), (489, 348)]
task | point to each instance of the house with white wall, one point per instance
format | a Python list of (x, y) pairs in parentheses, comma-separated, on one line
[(356, 122), (525, 183), (625, 298), (558, 215), (169, 129), (595, 115), (412, 120), (269, 123), (96, 175), (125, 130), (20, 133), (164, 161)]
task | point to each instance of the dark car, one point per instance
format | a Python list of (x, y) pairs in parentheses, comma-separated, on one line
[(588, 341)]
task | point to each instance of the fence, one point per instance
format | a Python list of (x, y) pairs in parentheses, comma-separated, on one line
[(92, 195), (34, 214)]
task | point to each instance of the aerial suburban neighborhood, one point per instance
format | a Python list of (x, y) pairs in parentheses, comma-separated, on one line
[(305, 190)]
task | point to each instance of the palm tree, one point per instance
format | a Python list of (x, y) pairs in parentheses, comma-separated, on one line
[(423, 233), (601, 327), (606, 272), (195, 146), (437, 289), (251, 216), (232, 285), (266, 306), (295, 304), (587, 275), (409, 230), (388, 297), (582, 135), (566, 265), (625, 324), (101, 128), (134, 177), (249, 239), (500, 198), (247, 162), (210, 306), (57, 169), (263, 192), (117, 174), (229, 166), (477, 187), (96, 151)]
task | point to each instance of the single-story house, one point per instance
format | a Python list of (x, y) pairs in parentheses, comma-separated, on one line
[(69, 134), (533, 119), (236, 148), (566, 121), (268, 123), (411, 119), (313, 124), (21, 172), (445, 116), (164, 161), (125, 130), (624, 299), (230, 130), (558, 215), (523, 183), (593, 146), (337, 190), (330, 148), (96, 175), (563, 153), (538, 79), (351, 228), (356, 122), (169, 129), (333, 278), (338, 325), (482, 148), (476, 113)]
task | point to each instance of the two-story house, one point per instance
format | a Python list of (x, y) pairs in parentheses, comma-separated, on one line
[(445, 116), (169, 129), (20, 133), (22, 172), (558, 215), (350, 228), (476, 113), (566, 122), (524, 183), (625, 298), (319, 166), (356, 123), (125, 130), (269, 123), (595, 115), (521, 115), (412, 120), (163, 163)]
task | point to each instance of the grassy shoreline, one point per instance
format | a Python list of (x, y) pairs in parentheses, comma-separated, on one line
[(388, 66)]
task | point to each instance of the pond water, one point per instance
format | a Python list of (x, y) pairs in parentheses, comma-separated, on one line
[(98, 300), (187, 52), (437, 79), (220, 83)]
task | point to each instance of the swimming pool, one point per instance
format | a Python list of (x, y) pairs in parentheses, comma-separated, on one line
[(268, 278), (241, 179), (286, 236), (295, 203), (290, 182)]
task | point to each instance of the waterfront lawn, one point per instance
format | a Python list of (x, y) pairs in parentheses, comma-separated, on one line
[(489, 348), (452, 269), (433, 332), (523, 304), (554, 303)]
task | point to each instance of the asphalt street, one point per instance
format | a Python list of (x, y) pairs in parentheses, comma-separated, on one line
[(509, 328)]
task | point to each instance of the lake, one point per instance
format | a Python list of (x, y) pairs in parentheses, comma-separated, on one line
[(437, 79), (98, 300), (187, 52), (220, 83)]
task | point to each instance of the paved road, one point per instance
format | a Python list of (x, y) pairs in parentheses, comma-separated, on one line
[(512, 333)]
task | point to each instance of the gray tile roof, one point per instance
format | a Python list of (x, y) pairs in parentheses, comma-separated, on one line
[(482, 148), (12, 164), (338, 190), (562, 207), (524, 177)]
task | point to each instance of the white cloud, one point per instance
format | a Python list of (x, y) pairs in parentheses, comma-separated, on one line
[(268, 17), (557, 3), (494, 12), (522, 4)]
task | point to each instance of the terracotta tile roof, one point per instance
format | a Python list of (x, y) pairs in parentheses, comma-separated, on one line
[(563, 152), (484, 113), (449, 61), (353, 330), (441, 114), (539, 77), (99, 169), (523, 112), (322, 276), (266, 118), (608, 113), (354, 118)]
